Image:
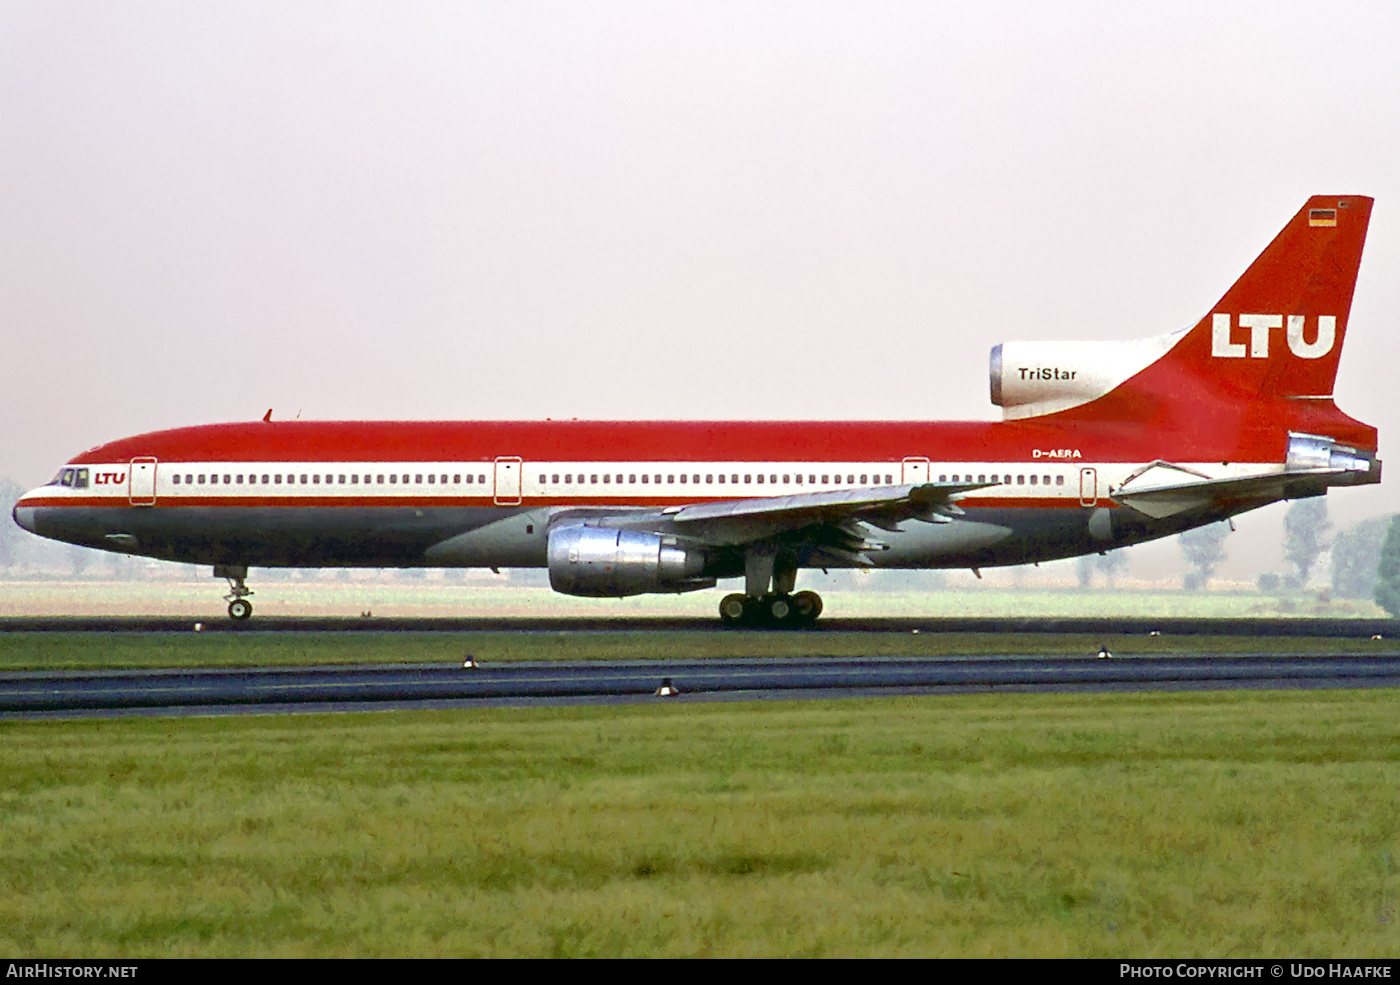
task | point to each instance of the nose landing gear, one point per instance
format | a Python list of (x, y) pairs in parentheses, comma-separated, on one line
[(239, 608)]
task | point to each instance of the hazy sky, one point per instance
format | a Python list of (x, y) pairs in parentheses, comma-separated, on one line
[(649, 210)]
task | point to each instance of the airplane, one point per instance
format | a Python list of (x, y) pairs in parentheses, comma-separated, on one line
[(1102, 445)]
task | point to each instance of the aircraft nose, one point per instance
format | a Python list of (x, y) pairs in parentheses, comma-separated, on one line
[(24, 515)]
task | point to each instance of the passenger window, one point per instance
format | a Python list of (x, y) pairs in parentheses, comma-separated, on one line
[(863, 481), (645, 478), (760, 480), (188, 477), (418, 480), (430, 479), (177, 480), (469, 480), (631, 480), (682, 479), (393, 480), (748, 479)]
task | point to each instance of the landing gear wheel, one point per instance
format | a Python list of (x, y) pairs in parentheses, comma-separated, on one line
[(240, 609), (807, 606), (780, 610), (733, 609)]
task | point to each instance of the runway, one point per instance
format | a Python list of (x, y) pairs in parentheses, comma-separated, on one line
[(71, 694)]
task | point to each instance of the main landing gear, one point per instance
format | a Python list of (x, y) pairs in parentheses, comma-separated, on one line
[(239, 608), (782, 611), (765, 568)]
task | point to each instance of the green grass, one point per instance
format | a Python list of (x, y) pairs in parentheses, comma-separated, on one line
[(71, 651), (844, 597), (1225, 824)]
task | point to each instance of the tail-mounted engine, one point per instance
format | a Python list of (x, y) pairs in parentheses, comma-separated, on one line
[(604, 562), (1034, 378)]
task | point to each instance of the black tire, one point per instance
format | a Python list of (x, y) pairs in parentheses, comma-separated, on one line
[(733, 610), (240, 609), (808, 605)]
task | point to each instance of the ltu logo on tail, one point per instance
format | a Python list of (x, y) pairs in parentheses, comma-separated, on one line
[(1259, 326)]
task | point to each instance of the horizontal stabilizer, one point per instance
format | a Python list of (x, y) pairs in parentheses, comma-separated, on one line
[(1147, 493)]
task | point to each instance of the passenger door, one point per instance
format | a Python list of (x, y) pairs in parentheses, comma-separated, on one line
[(141, 486), (508, 471)]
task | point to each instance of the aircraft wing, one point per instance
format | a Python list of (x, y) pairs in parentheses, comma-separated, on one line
[(829, 522)]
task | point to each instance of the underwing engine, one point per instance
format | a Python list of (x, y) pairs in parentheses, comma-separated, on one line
[(603, 562)]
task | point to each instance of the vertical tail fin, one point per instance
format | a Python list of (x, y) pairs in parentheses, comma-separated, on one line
[(1265, 355), (1278, 332)]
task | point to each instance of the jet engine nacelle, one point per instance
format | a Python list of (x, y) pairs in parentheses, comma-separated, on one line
[(605, 562)]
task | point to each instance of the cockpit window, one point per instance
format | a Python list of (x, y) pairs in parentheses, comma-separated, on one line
[(72, 478)]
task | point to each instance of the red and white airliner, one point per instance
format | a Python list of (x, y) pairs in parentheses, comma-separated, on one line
[(1103, 444)]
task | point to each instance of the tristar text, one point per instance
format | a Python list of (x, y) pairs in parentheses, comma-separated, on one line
[(1223, 345)]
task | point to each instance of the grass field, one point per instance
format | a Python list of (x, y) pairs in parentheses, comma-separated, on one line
[(1246, 824), (201, 600)]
